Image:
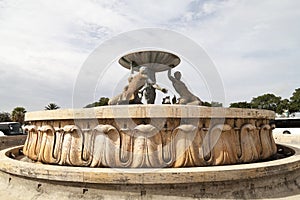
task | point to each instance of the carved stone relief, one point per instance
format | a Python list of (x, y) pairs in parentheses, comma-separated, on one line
[(145, 145)]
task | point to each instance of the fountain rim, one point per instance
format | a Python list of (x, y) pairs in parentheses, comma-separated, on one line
[(125, 60), (149, 111), (139, 176)]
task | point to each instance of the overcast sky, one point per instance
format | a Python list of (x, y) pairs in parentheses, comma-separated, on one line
[(255, 44)]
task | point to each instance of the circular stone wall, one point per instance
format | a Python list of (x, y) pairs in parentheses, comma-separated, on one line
[(149, 136), (22, 179)]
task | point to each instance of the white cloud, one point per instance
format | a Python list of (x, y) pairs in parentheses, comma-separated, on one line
[(255, 44)]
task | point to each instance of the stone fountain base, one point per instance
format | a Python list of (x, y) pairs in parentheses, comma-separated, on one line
[(22, 179), (150, 136), (149, 152)]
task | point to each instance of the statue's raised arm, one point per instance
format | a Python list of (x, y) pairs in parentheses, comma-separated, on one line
[(170, 76)]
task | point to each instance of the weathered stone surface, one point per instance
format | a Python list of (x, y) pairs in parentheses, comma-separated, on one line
[(151, 137), (10, 141), (26, 180), (152, 111), (291, 139)]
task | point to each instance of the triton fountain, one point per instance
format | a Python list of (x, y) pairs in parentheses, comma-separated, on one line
[(129, 149)]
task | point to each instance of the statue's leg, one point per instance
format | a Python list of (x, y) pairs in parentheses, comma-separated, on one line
[(194, 103), (182, 101), (115, 100), (150, 95), (137, 99)]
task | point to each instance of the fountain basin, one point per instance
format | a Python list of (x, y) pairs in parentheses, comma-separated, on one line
[(22, 179), (157, 61), (149, 136)]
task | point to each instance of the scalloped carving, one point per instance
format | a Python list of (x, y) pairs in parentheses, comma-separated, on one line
[(145, 146)]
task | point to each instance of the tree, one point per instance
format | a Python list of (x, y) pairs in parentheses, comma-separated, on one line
[(212, 104), (18, 114), (295, 101), (243, 104), (103, 101), (216, 104), (283, 106), (205, 103), (5, 117), (52, 106), (266, 101)]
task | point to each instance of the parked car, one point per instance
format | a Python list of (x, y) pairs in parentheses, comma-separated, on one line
[(11, 128)]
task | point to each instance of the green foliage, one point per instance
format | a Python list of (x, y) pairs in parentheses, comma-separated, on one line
[(216, 104), (282, 106), (103, 101), (243, 104), (52, 106), (212, 104), (295, 101), (266, 101), (18, 114), (205, 103), (5, 117)]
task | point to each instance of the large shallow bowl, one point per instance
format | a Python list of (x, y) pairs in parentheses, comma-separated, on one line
[(156, 60)]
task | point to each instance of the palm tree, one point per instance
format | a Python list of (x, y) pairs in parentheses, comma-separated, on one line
[(18, 114), (51, 106)]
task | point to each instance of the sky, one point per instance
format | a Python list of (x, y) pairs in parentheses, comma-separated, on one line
[(254, 45)]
